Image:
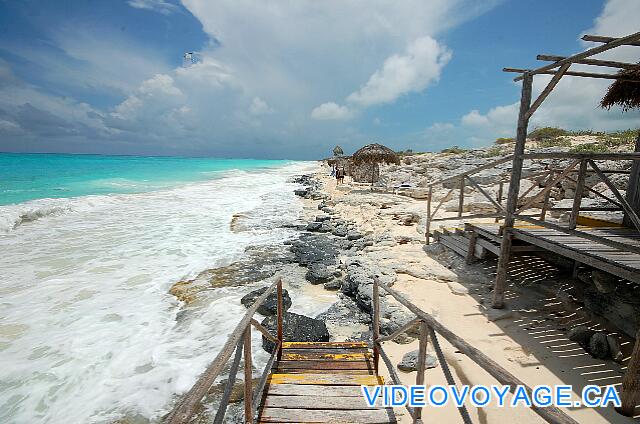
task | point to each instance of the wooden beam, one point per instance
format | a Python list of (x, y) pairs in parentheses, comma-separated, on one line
[(485, 194), (571, 74), (633, 216), (248, 377), (578, 156), (603, 39), (514, 190), (631, 382), (633, 189), (595, 62), (548, 188), (631, 38), (577, 197), (547, 90)]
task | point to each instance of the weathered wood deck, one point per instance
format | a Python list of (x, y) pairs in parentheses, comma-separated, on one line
[(320, 383), (622, 263)]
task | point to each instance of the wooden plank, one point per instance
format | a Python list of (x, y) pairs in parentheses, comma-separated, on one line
[(312, 356), (603, 39), (595, 62), (583, 256), (322, 371), (329, 365), (337, 350), (316, 402), (283, 415), (313, 390), (323, 345), (326, 380)]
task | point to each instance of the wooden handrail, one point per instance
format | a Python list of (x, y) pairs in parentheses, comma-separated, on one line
[(550, 414), (240, 338)]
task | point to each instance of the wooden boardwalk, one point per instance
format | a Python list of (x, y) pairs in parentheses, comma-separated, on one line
[(622, 263), (320, 383)]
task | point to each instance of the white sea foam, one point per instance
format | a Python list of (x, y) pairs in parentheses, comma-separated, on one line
[(88, 330)]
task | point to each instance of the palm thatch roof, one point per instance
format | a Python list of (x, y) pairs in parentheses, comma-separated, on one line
[(375, 153), (337, 151), (625, 91)]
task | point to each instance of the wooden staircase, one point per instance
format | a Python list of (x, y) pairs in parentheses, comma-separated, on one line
[(320, 382)]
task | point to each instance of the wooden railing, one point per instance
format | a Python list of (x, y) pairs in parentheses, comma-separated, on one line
[(240, 340), (429, 326), (550, 178)]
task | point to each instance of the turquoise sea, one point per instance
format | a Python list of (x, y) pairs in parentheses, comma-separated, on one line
[(26, 177)]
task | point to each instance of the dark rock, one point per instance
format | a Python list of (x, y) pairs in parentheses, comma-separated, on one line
[(354, 235), (295, 327), (333, 284), (322, 218), (410, 361), (599, 346), (581, 335), (614, 348), (318, 274), (270, 305), (313, 226), (604, 282), (325, 228), (301, 192), (339, 231), (314, 248), (620, 310)]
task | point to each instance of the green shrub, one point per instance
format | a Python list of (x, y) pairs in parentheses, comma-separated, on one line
[(590, 148), (505, 140), (554, 142), (547, 133), (586, 132), (492, 152), (454, 149)]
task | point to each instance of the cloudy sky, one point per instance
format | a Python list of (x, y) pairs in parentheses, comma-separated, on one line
[(290, 79)]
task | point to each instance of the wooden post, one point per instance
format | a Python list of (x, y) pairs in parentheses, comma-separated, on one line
[(461, 199), (471, 250), (279, 317), (376, 323), (577, 198), (499, 197), (514, 189), (633, 189), (427, 229), (547, 195), (422, 353), (248, 377), (631, 382)]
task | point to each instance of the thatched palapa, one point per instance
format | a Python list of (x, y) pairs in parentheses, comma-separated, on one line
[(625, 91), (375, 153)]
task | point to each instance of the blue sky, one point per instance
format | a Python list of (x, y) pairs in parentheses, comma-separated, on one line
[(281, 79)]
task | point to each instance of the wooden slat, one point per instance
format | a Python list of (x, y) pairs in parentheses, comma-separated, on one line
[(282, 415), (313, 390), (326, 380), (320, 371), (323, 345), (316, 402), (329, 365), (332, 351), (312, 356)]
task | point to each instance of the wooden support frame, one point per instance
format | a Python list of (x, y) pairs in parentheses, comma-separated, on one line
[(514, 189), (633, 216), (577, 197), (595, 62), (547, 90)]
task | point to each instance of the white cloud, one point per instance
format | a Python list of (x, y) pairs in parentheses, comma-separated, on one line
[(412, 71), (159, 6), (331, 111), (259, 107)]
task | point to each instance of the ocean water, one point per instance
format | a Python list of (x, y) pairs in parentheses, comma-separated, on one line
[(88, 330)]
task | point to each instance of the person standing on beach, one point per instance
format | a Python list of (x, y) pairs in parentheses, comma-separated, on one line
[(333, 170), (340, 176)]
